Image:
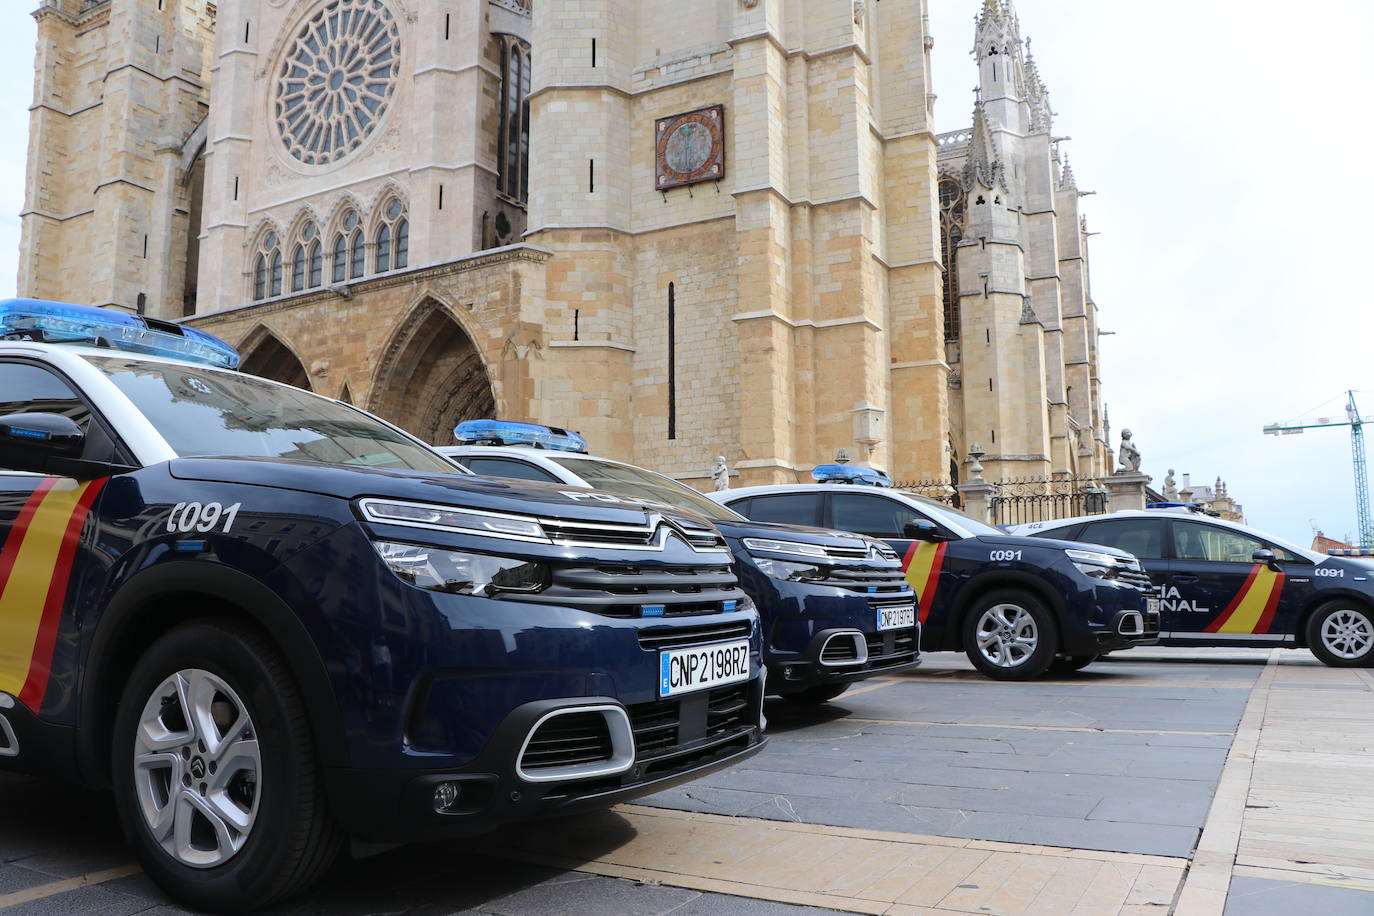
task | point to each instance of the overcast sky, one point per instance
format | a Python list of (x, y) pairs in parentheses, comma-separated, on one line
[(1229, 148)]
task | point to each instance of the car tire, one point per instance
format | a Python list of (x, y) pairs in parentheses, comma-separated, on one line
[(1068, 663), (214, 770), (1341, 634), (814, 696), (1009, 635)]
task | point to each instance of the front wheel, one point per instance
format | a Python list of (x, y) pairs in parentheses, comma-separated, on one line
[(1341, 634), (1010, 636), (214, 771)]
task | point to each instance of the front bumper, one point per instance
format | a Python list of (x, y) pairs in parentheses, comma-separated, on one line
[(674, 741), (844, 655)]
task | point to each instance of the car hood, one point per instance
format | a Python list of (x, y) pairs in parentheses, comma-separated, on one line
[(457, 489), (1011, 540), (806, 535)]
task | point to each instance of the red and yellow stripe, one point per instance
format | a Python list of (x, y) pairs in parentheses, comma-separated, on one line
[(922, 564), (35, 566), (1252, 610)]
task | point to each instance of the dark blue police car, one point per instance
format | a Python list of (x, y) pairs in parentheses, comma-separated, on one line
[(271, 621)]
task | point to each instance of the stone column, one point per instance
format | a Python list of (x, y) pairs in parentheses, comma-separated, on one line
[(1126, 490), (977, 495)]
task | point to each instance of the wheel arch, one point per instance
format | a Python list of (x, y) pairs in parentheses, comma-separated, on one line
[(993, 581), (1321, 599), (154, 601)]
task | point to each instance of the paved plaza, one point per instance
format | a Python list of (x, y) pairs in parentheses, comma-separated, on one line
[(1158, 781)]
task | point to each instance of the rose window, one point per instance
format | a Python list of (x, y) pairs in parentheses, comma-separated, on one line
[(336, 78)]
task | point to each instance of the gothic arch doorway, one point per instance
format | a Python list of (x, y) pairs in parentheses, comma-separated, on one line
[(432, 377), (270, 358)]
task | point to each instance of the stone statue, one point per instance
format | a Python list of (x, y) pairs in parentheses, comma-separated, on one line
[(1170, 487), (1128, 460), (720, 474)]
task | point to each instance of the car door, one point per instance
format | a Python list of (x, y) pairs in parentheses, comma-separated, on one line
[(1219, 593), (44, 542), (886, 518)]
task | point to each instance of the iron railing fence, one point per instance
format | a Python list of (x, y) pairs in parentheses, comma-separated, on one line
[(1043, 499)]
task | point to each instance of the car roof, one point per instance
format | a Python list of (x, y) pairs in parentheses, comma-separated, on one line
[(34, 348), (722, 496), (1172, 512)]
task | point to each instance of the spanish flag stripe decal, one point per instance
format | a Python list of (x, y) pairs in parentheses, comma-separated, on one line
[(1252, 608), (34, 549), (922, 564), (40, 666), (21, 524)]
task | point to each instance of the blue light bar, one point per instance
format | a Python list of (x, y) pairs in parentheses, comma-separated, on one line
[(62, 322), (510, 432), (846, 473), (1351, 551)]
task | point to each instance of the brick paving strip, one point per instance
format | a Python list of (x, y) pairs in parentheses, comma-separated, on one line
[(857, 871), (1296, 799)]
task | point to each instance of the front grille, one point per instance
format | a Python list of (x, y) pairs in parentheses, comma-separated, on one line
[(568, 740), (655, 638), (891, 647), (665, 728), (641, 590), (1135, 577), (839, 650), (565, 532), (868, 580)]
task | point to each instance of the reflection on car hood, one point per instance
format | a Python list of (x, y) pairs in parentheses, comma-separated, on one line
[(457, 489), (1011, 540), (806, 535)]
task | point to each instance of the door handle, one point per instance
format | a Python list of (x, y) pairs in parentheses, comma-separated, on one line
[(1184, 577)]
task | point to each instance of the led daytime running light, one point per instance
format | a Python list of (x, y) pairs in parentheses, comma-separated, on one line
[(447, 518), (767, 545)]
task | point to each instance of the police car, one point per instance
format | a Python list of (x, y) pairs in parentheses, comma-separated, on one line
[(1225, 584), (835, 607), (270, 621), (1017, 606)]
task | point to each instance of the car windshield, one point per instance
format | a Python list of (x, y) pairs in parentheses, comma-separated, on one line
[(211, 413), (624, 480), (953, 517)]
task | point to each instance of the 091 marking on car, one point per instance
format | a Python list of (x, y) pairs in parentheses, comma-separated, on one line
[(699, 667)]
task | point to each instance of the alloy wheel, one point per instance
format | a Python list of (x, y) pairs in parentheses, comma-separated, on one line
[(197, 769), (1347, 634), (1007, 635)]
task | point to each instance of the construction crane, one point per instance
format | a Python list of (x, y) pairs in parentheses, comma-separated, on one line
[(1356, 424)]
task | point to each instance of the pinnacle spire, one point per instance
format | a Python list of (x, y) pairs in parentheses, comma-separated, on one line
[(983, 166), (1066, 179), (1037, 96), (997, 30)]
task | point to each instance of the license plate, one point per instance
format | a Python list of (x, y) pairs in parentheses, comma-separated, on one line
[(701, 667), (1152, 605), (894, 618)]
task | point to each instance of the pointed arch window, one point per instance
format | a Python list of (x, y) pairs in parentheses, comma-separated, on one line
[(340, 258), (513, 145), (952, 206), (267, 267), (315, 256), (393, 238), (349, 244), (298, 268), (306, 266)]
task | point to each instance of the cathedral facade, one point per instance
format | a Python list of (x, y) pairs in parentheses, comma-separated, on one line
[(730, 230)]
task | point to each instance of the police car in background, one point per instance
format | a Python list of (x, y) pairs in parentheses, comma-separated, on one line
[(1017, 606), (271, 621), (1225, 584), (835, 607)]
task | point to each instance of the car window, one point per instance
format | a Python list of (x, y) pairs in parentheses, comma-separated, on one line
[(786, 508), (26, 388), (1194, 541), (505, 467), (1143, 537), (641, 483), (874, 516)]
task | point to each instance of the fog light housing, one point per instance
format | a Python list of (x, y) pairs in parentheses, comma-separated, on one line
[(446, 796)]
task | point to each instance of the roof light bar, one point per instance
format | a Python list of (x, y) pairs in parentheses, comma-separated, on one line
[(846, 473), (62, 322), (511, 432)]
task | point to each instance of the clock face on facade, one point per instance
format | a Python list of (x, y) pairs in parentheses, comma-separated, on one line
[(690, 147), (335, 80)]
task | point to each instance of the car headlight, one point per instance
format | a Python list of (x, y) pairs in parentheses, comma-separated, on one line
[(768, 545), (1094, 564), (447, 518), (789, 572), (460, 573)]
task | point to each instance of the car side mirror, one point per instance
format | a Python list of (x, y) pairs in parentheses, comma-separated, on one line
[(921, 530), (32, 441), (1265, 556)]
